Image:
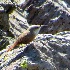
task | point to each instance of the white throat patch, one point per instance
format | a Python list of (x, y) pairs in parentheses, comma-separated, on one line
[(36, 31)]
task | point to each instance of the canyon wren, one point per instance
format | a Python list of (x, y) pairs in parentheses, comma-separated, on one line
[(26, 37)]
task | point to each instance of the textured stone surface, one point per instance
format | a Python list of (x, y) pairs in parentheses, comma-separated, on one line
[(47, 51), (54, 14)]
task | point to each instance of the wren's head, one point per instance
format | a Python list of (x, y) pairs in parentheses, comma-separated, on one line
[(35, 29)]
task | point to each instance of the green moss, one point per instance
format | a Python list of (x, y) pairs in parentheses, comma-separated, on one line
[(24, 64)]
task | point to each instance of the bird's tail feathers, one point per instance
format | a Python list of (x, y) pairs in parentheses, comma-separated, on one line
[(12, 46)]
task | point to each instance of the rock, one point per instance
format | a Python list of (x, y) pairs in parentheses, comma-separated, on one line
[(4, 25), (47, 51), (54, 14)]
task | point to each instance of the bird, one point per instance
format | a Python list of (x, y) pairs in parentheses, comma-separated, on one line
[(26, 37)]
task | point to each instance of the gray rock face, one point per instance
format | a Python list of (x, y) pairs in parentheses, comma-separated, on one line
[(53, 13), (47, 51)]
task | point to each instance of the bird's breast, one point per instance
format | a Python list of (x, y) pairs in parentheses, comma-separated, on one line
[(25, 38)]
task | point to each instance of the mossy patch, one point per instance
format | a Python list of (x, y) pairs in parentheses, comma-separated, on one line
[(24, 64)]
